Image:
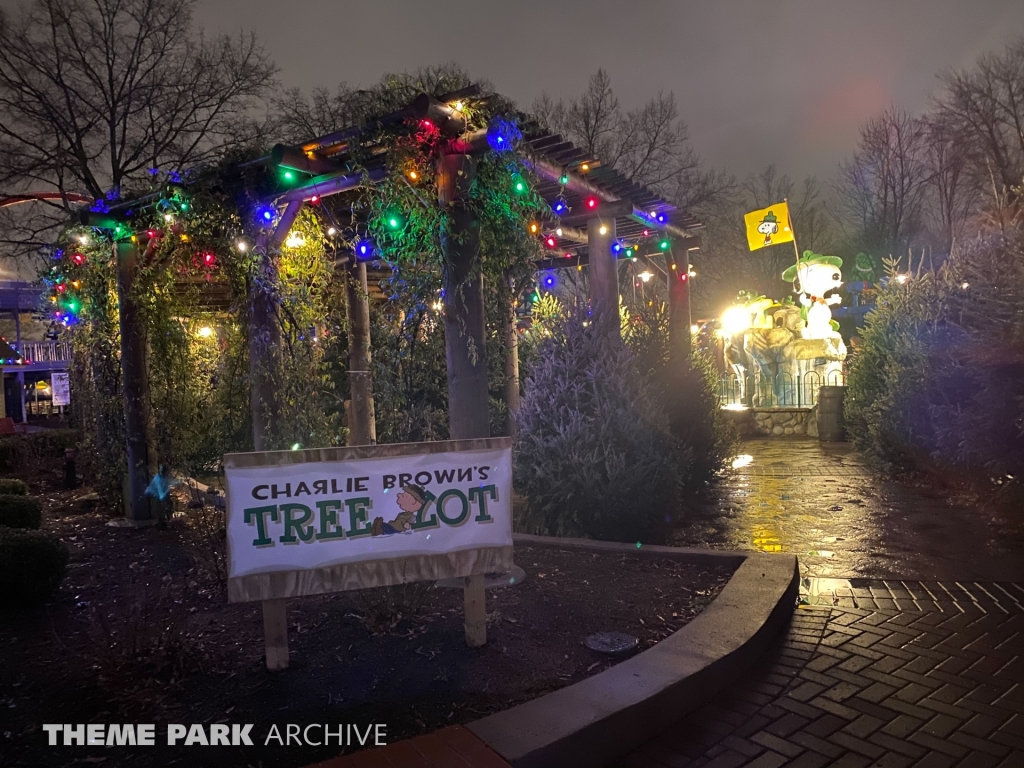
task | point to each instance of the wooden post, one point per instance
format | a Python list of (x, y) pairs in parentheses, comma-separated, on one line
[(603, 270), (362, 426), (275, 633), (511, 340), (265, 334), (133, 378), (465, 340), (679, 336), (264, 349)]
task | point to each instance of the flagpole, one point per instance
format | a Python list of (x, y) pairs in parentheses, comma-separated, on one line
[(792, 229)]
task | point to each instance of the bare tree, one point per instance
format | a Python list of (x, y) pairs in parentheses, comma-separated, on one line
[(954, 184), (985, 105), (96, 93), (649, 144), (880, 193)]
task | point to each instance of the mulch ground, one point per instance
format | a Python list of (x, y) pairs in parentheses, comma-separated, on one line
[(353, 658)]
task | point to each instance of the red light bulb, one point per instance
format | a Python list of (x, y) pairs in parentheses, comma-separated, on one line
[(78, 258), (209, 259), (591, 203), (551, 242)]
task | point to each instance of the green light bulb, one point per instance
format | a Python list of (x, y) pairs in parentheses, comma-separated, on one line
[(563, 179), (288, 175), (664, 244)]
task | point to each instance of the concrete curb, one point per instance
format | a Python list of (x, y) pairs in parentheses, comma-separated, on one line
[(600, 719)]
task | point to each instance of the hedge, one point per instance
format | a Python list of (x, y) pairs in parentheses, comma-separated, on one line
[(32, 566), (13, 487), (20, 512)]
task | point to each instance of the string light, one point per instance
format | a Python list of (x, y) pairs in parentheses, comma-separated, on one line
[(551, 242), (563, 179), (559, 207), (558, 231), (241, 246), (592, 203), (534, 227), (413, 175), (603, 230), (205, 332), (664, 245), (168, 218), (364, 248), (314, 199), (83, 239), (294, 240), (585, 167), (645, 276), (331, 231), (78, 258), (209, 259)]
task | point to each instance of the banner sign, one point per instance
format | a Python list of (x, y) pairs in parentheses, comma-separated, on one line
[(60, 389), (323, 520)]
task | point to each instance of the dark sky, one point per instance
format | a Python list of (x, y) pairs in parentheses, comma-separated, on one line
[(758, 82), (787, 82)]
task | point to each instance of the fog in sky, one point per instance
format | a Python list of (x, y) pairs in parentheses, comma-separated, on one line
[(758, 82)]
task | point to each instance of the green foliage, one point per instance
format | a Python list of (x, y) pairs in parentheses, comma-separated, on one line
[(939, 374), (32, 566), (18, 511), (591, 454), (10, 486)]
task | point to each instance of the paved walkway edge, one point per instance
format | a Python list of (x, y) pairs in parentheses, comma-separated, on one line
[(601, 719)]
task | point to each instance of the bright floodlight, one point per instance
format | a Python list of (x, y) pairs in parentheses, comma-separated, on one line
[(736, 320), (206, 332)]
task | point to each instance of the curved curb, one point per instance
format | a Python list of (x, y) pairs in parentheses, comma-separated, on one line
[(598, 720)]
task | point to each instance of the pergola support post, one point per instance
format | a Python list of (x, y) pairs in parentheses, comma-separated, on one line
[(465, 340), (133, 385), (264, 348), (679, 335), (362, 426), (511, 343), (603, 273), (265, 333)]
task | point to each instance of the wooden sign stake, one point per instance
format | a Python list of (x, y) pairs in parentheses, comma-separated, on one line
[(275, 633), (476, 611)]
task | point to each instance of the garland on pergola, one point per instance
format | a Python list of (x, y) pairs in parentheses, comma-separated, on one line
[(200, 237)]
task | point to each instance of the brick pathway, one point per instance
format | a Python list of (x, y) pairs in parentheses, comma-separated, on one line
[(887, 675)]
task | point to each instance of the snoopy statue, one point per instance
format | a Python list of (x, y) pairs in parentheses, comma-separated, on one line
[(817, 279)]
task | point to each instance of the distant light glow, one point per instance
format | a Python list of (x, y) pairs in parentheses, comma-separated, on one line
[(331, 231), (694, 329), (242, 246)]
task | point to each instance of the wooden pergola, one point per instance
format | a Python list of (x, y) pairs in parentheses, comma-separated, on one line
[(599, 217)]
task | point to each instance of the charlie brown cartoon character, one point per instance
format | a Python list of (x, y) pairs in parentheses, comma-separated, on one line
[(410, 500), (769, 226)]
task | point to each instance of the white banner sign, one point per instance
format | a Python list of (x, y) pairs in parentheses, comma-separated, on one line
[(310, 518), (60, 388)]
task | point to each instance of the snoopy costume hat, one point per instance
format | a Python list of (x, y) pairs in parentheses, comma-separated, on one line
[(810, 258)]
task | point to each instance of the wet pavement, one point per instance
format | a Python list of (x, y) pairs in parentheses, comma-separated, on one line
[(825, 504)]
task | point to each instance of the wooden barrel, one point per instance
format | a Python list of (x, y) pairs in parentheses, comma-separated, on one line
[(831, 425)]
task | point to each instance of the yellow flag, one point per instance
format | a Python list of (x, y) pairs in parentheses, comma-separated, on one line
[(768, 226)]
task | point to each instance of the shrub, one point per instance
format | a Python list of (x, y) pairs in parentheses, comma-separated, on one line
[(13, 487), (20, 512), (592, 456), (17, 450), (32, 565), (51, 443), (938, 379)]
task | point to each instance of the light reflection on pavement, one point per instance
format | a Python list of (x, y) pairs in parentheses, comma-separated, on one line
[(823, 503)]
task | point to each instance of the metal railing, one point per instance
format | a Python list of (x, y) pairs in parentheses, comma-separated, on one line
[(781, 391), (44, 351)]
